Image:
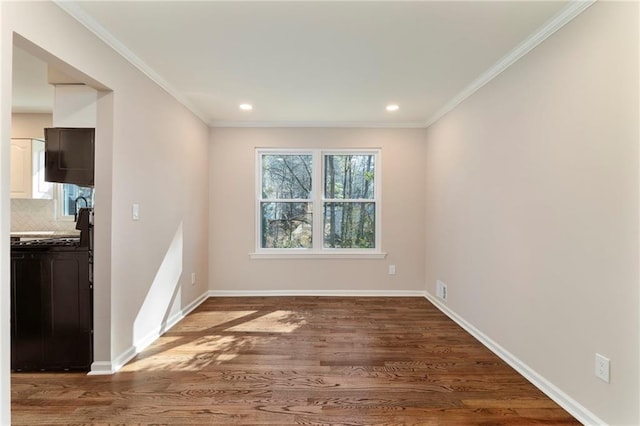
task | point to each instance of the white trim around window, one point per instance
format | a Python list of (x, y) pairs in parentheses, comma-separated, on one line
[(58, 198), (317, 199)]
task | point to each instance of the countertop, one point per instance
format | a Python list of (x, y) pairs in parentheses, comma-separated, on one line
[(46, 234)]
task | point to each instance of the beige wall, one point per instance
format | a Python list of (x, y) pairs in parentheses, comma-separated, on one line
[(29, 126), (532, 209), (149, 150), (232, 204)]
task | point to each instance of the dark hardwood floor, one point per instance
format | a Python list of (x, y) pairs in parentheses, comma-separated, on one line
[(298, 360)]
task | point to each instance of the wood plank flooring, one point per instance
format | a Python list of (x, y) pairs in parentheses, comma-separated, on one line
[(298, 360)]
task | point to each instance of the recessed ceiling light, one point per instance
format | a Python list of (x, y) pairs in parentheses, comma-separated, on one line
[(392, 107), (246, 107)]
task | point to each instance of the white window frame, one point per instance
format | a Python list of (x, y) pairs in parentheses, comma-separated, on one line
[(317, 199), (58, 196), (58, 203)]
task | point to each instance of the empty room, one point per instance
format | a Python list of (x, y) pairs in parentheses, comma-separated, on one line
[(319, 212)]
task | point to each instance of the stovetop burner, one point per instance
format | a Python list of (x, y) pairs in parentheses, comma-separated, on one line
[(47, 243)]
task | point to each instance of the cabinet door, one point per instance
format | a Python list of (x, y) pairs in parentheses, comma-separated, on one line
[(51, 311), (70, 155), (67, 292), (21, 168), (27, 314), (41, 189)]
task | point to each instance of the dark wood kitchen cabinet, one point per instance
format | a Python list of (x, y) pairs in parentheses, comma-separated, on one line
[(51, 311), (69, 155)]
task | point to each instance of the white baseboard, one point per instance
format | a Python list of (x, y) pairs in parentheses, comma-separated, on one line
[(106, 367), (583, 415), (101, 368), (144, 342), (337, 293)]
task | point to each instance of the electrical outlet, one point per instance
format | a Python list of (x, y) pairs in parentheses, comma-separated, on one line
[(603, 365), (193, 278), (392, 269), (441, 290)]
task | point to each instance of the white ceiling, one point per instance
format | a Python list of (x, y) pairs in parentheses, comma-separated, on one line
[(321, 62)]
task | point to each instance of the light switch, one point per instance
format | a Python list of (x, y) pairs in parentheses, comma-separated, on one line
[(135, 211)]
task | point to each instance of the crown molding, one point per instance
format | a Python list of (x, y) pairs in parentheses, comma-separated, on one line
[(76, 12), (568, 13), (351, 124), (563, 17)]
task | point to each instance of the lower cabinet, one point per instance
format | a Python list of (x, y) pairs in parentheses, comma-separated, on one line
[(51, 311)]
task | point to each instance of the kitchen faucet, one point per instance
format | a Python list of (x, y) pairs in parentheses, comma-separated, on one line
[(75, 208)]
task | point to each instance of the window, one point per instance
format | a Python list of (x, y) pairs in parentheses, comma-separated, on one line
[(318, 202), (349, 205), (66, 196), (286, 203)]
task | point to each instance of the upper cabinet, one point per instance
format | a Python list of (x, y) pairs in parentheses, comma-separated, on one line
[(27, 170), (21, 173), (70, 155), (40, 188)]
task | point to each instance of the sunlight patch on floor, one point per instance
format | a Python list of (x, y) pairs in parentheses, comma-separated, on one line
[(181, 351), (163, 341), (274, 322), (200, 321), (194, 355)]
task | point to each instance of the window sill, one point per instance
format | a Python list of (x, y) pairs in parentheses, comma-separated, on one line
[(318, 255)]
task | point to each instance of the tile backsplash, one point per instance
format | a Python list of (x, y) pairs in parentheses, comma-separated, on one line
[(36, 215)]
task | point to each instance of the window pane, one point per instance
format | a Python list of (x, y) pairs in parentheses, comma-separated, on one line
[(70, 194), (349, 225), (286, 176), (286, 225), (349, 176)]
